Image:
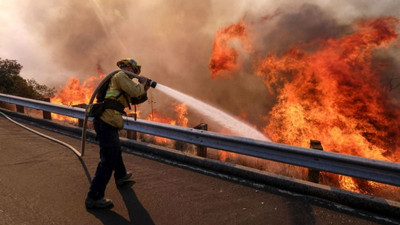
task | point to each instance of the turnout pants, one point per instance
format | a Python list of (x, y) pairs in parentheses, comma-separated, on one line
[(110, 158)]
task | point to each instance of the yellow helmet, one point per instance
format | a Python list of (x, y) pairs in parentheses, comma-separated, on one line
[(129, 62)]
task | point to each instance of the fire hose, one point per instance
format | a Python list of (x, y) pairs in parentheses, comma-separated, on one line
[(43, 135), (94, 94)]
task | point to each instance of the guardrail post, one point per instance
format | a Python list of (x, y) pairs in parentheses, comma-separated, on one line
[(131, 134), (46, 115), (313, 174), (83, 106), (20, 109), (201, 150)]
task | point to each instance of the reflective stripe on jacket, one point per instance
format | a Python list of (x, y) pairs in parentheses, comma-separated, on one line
[(112, 93), (120, 82)]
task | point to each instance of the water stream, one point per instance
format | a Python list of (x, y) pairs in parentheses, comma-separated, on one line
[(223, 119)]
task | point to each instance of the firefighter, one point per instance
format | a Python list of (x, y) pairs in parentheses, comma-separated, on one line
[(120, 91)]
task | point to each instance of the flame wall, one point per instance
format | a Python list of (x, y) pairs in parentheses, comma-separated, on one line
[(330, 81)]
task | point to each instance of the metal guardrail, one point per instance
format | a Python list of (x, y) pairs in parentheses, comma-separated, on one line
[(369, 169)]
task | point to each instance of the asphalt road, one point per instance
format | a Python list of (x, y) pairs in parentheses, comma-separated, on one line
[(42, 182)]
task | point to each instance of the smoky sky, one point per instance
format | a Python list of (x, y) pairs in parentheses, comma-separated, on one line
[(307, 24), (75, 34)]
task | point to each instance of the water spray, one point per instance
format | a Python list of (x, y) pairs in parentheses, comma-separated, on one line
[(223, 119)]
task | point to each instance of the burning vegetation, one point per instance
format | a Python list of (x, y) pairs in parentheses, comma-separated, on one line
[(75, 93), (181, 120), (329, 90), (333, 93)]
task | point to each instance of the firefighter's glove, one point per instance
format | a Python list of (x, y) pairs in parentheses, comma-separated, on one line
[(145, 82)]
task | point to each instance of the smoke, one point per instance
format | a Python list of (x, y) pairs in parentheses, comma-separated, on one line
[(57, 40), (304, 25)]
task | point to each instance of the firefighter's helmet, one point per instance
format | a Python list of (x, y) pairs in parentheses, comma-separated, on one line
[(129, 62)]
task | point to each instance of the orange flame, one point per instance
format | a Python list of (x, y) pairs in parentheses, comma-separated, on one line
[(181, 113), (333, 95), (75, 93), (182, 120), (154, 116), (224, 56)]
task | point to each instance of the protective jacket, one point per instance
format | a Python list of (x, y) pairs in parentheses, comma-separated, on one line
[(120, 82)]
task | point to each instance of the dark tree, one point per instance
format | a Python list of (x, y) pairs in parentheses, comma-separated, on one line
[(12, 83)]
